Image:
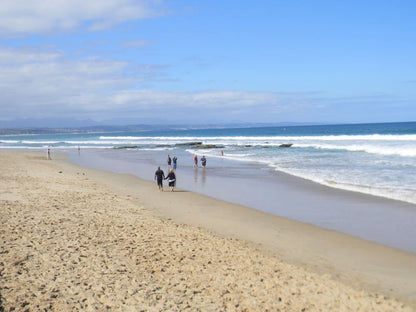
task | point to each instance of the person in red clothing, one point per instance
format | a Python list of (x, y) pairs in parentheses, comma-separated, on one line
[(195, 161)]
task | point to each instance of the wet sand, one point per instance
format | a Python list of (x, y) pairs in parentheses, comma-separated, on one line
[(74, 238), (377, 219)]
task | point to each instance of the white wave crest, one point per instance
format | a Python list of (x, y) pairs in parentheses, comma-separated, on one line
[(370, 137), (403, 194), (404, 151)]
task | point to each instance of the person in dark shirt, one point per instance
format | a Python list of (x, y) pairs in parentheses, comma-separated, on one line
[(169, 160), (175, 162), (203, 162), (159, 176), (171, 179)]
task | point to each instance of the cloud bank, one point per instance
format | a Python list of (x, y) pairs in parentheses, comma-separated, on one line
[(21, 17), (40, 84)]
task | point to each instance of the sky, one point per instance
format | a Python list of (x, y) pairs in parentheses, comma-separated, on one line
[(77, 62)]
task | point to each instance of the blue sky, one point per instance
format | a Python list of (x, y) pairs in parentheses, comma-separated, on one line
[(190, 62)]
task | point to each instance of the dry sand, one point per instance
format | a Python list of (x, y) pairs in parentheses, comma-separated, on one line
[(74, 239)]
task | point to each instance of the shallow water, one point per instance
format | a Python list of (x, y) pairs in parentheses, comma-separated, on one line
[(257, 186), (376, 159)]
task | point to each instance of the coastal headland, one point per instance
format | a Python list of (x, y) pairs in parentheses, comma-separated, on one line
[(78, 239)]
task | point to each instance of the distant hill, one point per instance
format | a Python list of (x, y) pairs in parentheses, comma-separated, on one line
[(143, 127), (90, 129)]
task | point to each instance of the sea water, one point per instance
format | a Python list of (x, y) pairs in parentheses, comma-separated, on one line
[(376, 159)]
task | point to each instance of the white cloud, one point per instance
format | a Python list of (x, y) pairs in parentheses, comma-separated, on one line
[(213, 99), (21, 17), (136, 43), (49, 84), (9, 56), (42, 83)]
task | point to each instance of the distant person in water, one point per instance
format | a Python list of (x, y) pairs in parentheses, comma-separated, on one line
[(203, 162), (169, 162), (195, 161), (171, 179), (175, 162), (159, 176)]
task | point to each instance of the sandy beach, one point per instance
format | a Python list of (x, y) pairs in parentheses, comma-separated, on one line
[(78, 239), (382, 220)]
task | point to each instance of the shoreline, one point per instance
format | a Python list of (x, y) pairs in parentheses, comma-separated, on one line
[(385, 221), (271, 231), (363, 265)]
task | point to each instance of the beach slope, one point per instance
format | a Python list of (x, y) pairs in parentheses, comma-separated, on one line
[(78, 239)]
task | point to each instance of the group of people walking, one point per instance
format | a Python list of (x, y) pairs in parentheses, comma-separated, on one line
[(203, 162), (174, 161), (171, 177), (160, 176)]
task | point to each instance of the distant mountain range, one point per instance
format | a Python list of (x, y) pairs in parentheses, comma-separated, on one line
[(143, 127), (89, 129)]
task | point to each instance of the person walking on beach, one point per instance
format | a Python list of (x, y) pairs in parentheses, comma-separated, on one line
[(175, 162), (159, 176), (203, 162), (195, 161), (171, 179), (49, 154), (169, 162)]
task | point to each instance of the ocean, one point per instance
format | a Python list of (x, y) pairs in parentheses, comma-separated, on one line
[(376, 159), (358, 179)]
